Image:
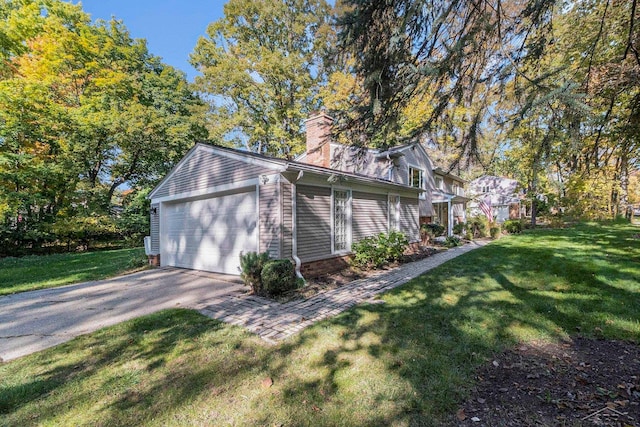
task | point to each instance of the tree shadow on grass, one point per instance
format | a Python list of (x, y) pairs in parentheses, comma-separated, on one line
[(407, 361), (433, 332)]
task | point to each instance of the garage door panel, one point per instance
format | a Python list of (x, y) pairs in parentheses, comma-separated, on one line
[(209, 234)]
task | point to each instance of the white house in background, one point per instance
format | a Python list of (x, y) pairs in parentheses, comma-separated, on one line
[(503, 194)]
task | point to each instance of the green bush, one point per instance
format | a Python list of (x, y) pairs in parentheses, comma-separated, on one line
[(512, 226), (479, 226), (433, 229), (452, 241), (468, 235), (251, 265), (138, 261), (278, 277), (494, 231), (459, 228), (377, 251)]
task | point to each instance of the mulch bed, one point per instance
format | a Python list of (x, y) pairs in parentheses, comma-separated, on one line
[(585, 382), (315, 285)]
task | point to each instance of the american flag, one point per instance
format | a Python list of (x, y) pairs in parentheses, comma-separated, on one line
[(485, 207)]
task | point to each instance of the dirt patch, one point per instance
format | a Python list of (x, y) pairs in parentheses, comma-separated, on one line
[(585, 382)]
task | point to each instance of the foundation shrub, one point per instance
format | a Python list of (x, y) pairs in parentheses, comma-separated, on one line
[(251, 265), (452, 241), (479, 226), (278, 277), (459, 228), (379, 250)]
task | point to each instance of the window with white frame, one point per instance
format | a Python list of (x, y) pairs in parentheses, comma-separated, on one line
[(394, 212), (341, 220), (415, 177)]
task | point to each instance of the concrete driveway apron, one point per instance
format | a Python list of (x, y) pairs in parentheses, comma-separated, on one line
[(33, 321)]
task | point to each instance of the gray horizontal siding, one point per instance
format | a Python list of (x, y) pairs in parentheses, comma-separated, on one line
[(270, 219), (369, 214), (409, 218), (203, 170), (313, 222), (287, 221), (155, 230)]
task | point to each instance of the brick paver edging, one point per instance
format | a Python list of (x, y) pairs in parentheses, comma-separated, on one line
[(274, 321)]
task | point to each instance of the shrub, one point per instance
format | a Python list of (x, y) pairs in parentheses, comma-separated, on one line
[(138, 262), (452, 241), (251, 265), (433, 229), (376, 251), (494, 231), (479, 225), (278, 276), (468, 235), (459, 228), (512, 226)]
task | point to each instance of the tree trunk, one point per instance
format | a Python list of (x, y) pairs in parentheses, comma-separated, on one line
[(623, 198)]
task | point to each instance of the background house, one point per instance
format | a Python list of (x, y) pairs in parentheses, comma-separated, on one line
[(503, 193)]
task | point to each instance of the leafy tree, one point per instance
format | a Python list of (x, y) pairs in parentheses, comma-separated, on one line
[(261, 66), (84, 108)]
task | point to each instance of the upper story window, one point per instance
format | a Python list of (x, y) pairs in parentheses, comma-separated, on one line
[(439, 183), (485, 188), (456, 189), (416, 177)]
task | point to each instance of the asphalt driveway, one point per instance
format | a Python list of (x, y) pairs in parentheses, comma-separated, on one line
[(33, 321)]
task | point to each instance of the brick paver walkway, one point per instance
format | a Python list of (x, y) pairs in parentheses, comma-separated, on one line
[(274, 321)]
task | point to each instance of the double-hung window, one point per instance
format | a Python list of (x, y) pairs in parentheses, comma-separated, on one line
[(416, 179), (341, 220)]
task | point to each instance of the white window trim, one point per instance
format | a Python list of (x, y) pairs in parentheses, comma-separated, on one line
[(423, 179), (389, 211), (349, 220), (435, 182)]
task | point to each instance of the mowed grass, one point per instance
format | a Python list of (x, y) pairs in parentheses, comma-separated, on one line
[(409, 361), (38, 272)]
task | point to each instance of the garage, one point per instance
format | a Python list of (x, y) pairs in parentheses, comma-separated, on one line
[(209, 233)]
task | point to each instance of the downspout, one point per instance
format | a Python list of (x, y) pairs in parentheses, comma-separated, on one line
[(450, 219), (294, 227)]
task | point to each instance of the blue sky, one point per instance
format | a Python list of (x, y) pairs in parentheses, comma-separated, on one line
[(171, 27)]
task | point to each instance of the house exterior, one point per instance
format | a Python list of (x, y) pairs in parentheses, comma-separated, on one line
[(448, 199), (443, 199), (502, 193), (219, 202)]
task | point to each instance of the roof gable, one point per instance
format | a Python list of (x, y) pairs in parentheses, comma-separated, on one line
[(206, 166)]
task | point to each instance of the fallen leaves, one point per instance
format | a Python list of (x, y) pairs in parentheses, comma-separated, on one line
[(558, 383)]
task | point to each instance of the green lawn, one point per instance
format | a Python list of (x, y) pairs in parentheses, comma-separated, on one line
[(409, 361), (39, 272)]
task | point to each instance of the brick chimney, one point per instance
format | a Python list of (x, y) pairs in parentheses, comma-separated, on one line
[(318, 139)]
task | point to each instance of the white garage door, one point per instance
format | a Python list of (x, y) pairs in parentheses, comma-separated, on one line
[(209, 234)]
